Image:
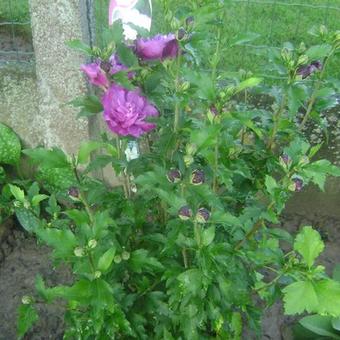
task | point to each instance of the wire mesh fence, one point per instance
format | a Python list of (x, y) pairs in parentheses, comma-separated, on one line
[(15, 32), (275, 21)]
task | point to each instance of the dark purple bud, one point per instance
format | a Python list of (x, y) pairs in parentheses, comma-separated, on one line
[(73, 192), (189, 20), (298, 183), (202, 215), (307, 70), (213, 110), (197, 177), (185, 213), (174, 176), (181, 33), (286, 160)]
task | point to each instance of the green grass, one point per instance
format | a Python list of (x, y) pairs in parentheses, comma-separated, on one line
[(276, 24)]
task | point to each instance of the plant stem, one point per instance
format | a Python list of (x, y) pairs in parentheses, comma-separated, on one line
[(277, 118), (315, 92), (177, 111), (215, 166), (185, 258), (123, 174), (197, 231)]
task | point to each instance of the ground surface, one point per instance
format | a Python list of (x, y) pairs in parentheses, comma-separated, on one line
[(21, 259)]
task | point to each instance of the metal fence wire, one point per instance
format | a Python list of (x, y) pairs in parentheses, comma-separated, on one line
[(275, 21), (15, 32)]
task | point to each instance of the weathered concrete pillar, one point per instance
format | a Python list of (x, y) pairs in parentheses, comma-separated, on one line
[(57, 69)]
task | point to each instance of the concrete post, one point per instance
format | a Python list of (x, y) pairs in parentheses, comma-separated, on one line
[(57, 69)]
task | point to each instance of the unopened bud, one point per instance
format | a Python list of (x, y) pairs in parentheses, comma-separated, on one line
[(191, 149), (189, 21), (117, 259), (185, 213), (97, 274), (125, 255), (197, 177), (174, 176), (73, 192), (188, 160), (303, 59), (92, 244), (27, 300), (202, 215), (181, 33), (79, 252)]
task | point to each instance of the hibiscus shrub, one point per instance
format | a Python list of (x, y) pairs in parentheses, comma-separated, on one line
[(187, 246)]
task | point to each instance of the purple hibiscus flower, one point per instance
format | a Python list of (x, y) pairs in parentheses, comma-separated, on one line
[(125, 111), (307, 70), (159, 47), (96, 75)]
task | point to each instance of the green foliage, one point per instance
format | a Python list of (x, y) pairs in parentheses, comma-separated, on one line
[(27, 316), (10, 147), (182, 248)]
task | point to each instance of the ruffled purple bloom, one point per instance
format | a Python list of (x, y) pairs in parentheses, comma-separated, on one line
[(118, 66), (125, 111), (157, 48), (95, 74), (307, 70)]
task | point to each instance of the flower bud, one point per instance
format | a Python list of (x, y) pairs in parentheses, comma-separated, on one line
[(285, 161), (79, 252), (303, 59), (202, 215), (97, 274), (174, 176), (185, 86), (117, 259), (191, 149), (125, 255), (197, 177), (323, 30), (185, 213), (92, 244), (296, 185), (27, 300), (181, 33), (189, 21), (188, 160), (73, 192)]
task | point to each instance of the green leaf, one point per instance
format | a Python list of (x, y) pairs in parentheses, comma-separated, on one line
[(328, 292), (320, 325), (336, 272), (140, 261), (106, 259), (236, 325), (10, 147), (191, 280), (63, 241), (251, 82), (300, 296), (336, 323), (51, 158), (56, 179), (27, 219), (89, 105), (318, 51), (126, 56), (309, 244), (38, 198), (271, 184), (85, 150), (27, 316), (78, 45), (18, 193), (208, 235)]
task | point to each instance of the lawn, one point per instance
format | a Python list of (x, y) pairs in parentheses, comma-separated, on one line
[(275, 21)]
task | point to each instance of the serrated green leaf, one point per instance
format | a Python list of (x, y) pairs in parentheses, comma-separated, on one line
[(10, 147), (271, 184), (106, 259), (126, 55), (328, 292), (208, 235), (141, 260), (246, 84), (309, 245), (38, 198), (191, 280), (27, 316), (50, 158), (299, 297), (85, 150)]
